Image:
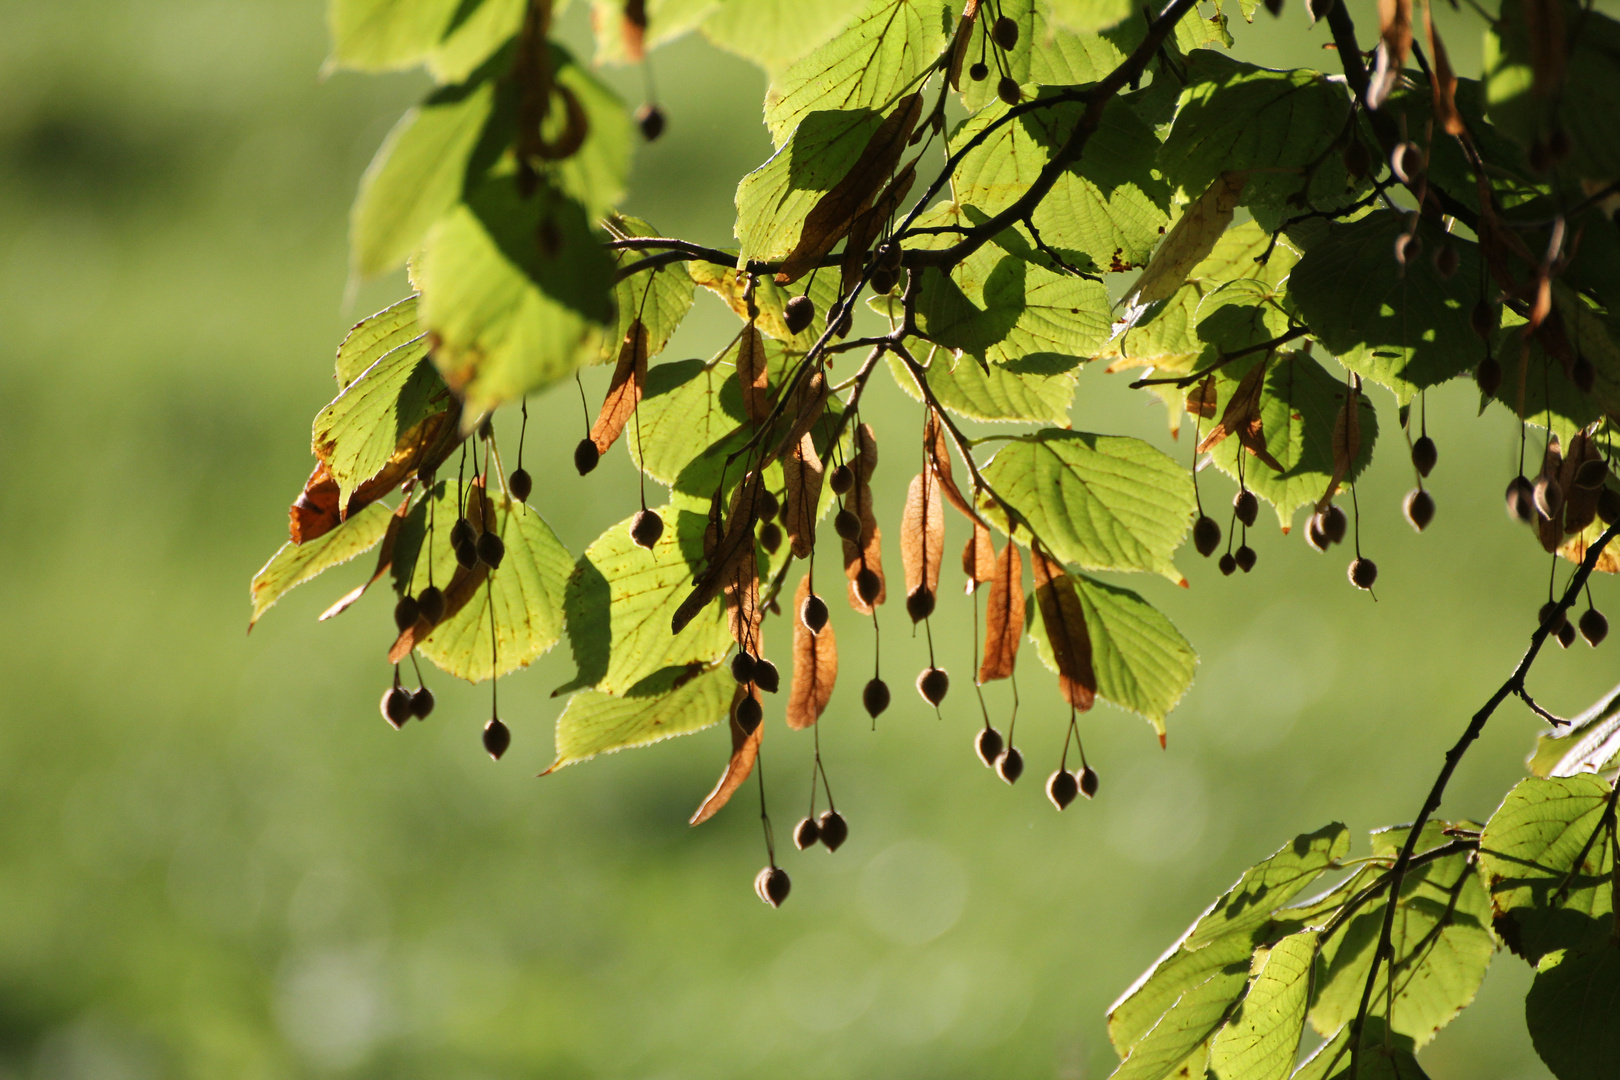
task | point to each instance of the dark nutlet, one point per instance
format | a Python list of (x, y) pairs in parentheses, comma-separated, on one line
[(462, 533), (883, 281), (1088, 782), (1594, 627), (841, 480), (645, 528), (497, 737), (421, 702), (767, 505), (1363, 572), (1608, 505), (650, 118), (1061, 788), (847, 525), (979, 71), (1548, 495), (1314, 535), (1005, 32), (1418, 507), (467, 554), (521, 484), (749, 713), (1007, 90), (868, 585), (491, 550), (1407, 161), (1407, 248), (1357, 160), (834, 829), (1227, 564), (932, 684), (799, 313), (770, 537), (875, 697), (1521, 500), (1583, 373), (1488, 376), (1246, 558), (396, 706), (813, 613), (430, 604), (1550, 617), (1246, 506), (920, 604), (1335, 524), (586, 455), (406, 613), (1010, 765), (987, 743), (1424, 455), (1446, 261), (806, 834), (1566, 634), (1591, 474), (742, 668), (1483, 318), (773, 885), (766, 677), (1206, 535)]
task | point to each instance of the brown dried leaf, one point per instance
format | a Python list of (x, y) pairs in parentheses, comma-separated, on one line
[(835, 211), (802, 473), (1242, 417), (751, 375), (1580, 504), (624, 393), (1445, 81), (1004, 616), (744, 752), (960, 43), (1346, 441), (1201, 399), (1065, 622), (978, 557), (922, 534), (1191, 239), (1395, 29), (806, 405), (743, 613), (868, 226), (739, 537), (815, 666), (869, 554), (939, 459)]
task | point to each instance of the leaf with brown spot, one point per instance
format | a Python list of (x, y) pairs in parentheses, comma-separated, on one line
[(1346, 441), (1003, 616), (744, 752), (802, 472), (624, 393), (835, 211), (815, 666), (978, 557), (1242, 418), (1065, 622), (922, 535), (751, 375)]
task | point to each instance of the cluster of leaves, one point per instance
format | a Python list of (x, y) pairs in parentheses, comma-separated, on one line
[(1280, 242)]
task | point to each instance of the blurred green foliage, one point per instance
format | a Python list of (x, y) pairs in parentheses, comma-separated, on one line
[(216, 860)]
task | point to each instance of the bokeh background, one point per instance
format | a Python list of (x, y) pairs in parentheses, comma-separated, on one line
[(216, 860)]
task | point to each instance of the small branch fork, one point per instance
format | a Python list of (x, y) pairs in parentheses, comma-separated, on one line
[(1514, 685)]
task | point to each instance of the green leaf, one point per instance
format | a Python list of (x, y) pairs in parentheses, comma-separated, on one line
[(1091, 15), (1037, 390), (1406, 331), (1261, 1039), (675, 701), (775, 33), (1380, 1058), (770, 300), (1441, 939), (1142, 662), (1110, 208), (1228, 931), (1047, 53), (620, 599), (359, 432), (1541, 901), (1003, 303), (1105, 502), (659, 297), (526, 592), (774, 199), (596, 176), (370, 339), (1549, 397), (865, 66), (1237, 117), (1591, 742), (1573, 1012), (511, 316), (1587, 104), (453, 36), (1300, 402), (417, 176), (687, 408), (295, 564), (1185, 1027)]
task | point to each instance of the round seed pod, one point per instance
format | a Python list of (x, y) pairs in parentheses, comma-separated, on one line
[(650, 118), (979, 71), (1521, 500), (841, 480), (1407, 161), (1246, 506), (1548, 496), (1061, 788), (847, 525), (806, 834), (521, 484), (462, 533), (766, 677), (396, 706), (988, 745), (1088, 782), (799, 313), (467, 554), (586, 455), (845, 324), (749, 713), (497, 737), (890, 255), (1566, 634), (1424, 455), (1335, 524), (868, 585), (1314, 535), (1488, 376), (1007, 90), (742, 668), (1005, 33), (920, 603), (430, 604), (770, 537), (933, 684), (491, 550), (768, 505), (1228, 564), (1608, 505), (773, 885), (813, 613), (875, 697), (1594, 627), (1418, 507), (883, 281), (1549, 613), (1206, 535), (1010, 765), (406, 613), (834, 829), (1363, 572), (645, 529), (1482, 317), (1591, 474), (1446, 260), (421, 702), (1407, 248), (1246, 558)]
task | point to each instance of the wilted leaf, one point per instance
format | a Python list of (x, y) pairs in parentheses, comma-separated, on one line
[(624, 392), (802, 473), (978, 557), (1191, 239), (751, 375), (1003, 615), (1242, 418), (744, 752), (1063, 619), (922, 535), (815, 666)]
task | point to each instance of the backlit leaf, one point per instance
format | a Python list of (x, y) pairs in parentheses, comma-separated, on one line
[(295, 564), (1261, 1039), (666, 704)]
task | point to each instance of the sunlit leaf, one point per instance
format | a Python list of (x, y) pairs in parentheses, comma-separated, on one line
[(1571, 1011), (382, 412), (370, 339), (295, 564), (667, 703), (1261, 1039)]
